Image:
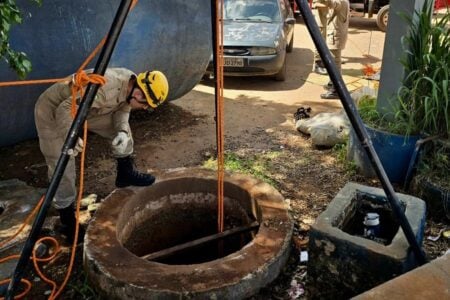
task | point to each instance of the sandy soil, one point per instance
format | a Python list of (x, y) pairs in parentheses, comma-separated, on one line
[(258, 120)]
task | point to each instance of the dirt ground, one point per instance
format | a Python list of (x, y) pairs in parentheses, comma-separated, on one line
[(258, 122)]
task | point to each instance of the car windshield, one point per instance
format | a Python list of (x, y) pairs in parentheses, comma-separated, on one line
[(252, 10)]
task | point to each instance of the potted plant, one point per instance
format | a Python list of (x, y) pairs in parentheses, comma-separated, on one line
[(421, 106), (425, 104), (390, 139)]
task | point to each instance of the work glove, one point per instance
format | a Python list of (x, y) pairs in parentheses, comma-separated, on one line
[(77, 149), (88, 200), (120, 143)]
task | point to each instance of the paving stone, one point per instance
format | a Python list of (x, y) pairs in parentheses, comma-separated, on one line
[(430, 281)]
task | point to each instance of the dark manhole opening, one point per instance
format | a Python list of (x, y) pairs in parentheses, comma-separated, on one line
[(185, 218), (365, 203)]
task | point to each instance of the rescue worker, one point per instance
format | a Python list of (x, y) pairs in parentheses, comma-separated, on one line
[(108, 117), (320, 16), (337, 32)]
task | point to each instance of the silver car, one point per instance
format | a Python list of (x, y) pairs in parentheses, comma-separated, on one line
[(257, 34)]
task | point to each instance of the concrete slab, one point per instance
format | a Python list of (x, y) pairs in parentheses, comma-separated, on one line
[(431, 281), (17, 201)]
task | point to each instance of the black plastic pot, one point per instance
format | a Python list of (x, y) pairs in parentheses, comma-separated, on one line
[(436, 197)]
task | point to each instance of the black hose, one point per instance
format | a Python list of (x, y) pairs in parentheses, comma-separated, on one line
[(71, 139), (358, 127)]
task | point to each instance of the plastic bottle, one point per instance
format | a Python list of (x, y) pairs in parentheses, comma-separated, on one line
[(371, 225)]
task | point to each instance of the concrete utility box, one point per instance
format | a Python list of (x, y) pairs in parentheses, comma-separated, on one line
[(344, 263)]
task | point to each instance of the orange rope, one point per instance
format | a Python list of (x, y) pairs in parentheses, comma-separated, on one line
[(25, 223), (27, 288), (3, 243), (55, 293), (79, 81), (51, 257), (77, 224), (220, 123)]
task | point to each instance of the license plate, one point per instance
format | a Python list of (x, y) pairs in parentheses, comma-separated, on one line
[(233, 62)]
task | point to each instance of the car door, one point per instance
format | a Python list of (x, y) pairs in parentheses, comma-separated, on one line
[(286, 15)]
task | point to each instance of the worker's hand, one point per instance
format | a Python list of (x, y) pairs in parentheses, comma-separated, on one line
[(120, 142), (77, 149)]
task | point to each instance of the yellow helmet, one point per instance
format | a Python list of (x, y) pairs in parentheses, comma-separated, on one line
[(155, 87)]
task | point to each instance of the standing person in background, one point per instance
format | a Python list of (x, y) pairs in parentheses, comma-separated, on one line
[(337, 32), (322, 21)]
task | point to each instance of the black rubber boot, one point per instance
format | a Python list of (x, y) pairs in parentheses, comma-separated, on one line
[(127, 175), (68, 221)]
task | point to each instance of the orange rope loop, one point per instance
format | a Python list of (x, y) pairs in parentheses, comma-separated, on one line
[(21, 295), (47, 259)]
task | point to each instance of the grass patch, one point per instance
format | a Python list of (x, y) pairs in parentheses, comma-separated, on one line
[(367, 108), (257, 166), (83, 290), (340, 152)]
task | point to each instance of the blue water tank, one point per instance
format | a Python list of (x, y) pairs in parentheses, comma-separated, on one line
[(172, 36)]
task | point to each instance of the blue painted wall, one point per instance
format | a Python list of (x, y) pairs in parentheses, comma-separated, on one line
[(172, 36)]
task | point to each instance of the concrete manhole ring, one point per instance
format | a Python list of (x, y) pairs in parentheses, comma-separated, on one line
[(133, 222)]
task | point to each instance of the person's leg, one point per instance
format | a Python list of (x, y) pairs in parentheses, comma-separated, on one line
[(332, 93), (66, 192), (50, 143), (337, 58), (126, 172), (319, 68), (321, 19)]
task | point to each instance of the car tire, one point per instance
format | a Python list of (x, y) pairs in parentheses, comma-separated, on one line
[(382, 17), (281, 75), (290, 46)]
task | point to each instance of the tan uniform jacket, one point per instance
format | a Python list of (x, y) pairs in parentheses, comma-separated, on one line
[(53, 109), (339, 18)]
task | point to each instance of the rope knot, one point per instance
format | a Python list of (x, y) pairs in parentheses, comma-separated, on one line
[(79, 80), (82, 79)]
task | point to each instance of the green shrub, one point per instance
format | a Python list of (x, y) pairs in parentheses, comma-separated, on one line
[(424, 100), (9, 16)]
